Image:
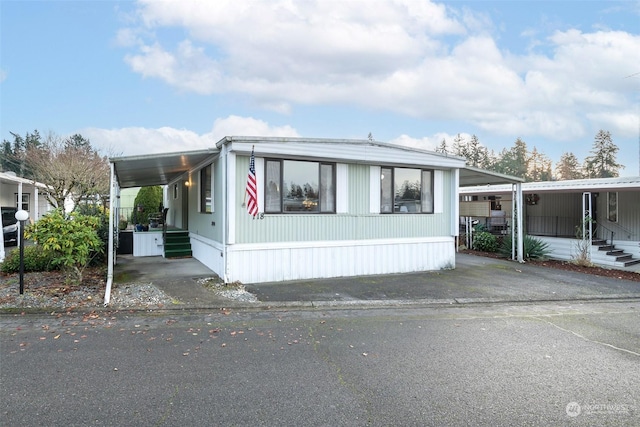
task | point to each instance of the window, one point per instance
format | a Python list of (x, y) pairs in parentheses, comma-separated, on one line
[(404, 190), (299, 186), (175, 191), (612, 207), (206, 205), (25, 202)]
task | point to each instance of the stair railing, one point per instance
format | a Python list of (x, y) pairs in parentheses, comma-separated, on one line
[(609, 231)]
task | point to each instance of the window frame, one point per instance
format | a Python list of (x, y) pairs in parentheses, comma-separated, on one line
[(392, 210), (268, 207), (27, 202), (205, 185), (612, 206)]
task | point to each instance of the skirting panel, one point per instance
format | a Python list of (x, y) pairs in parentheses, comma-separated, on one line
[(208, 253), (258, 264)]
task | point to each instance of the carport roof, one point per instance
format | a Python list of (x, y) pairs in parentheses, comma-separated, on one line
[(470, 176), (625, 183), (157, 169), (160, 169)]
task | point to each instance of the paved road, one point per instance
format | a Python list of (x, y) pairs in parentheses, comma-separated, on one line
[(557, 363)]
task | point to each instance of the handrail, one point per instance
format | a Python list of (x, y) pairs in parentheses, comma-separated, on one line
[(625, 230), (599, 225)]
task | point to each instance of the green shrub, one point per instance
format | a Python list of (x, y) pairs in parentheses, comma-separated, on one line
[(534, 249), (97, 256), (35, 259), (478, 228), (149, 199), (484, 241), (70, 241)]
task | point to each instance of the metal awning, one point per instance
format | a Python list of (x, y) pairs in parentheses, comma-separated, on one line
[(470, 176), (157, 169)]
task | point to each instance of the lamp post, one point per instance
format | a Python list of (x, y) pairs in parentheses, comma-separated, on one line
[(22, 216)]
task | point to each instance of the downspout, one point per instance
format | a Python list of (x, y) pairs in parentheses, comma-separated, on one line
[(225, 204), (110, 257), (455, 226), (514, 220)]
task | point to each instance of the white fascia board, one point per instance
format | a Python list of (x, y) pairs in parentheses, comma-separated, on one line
[(347, 152), (579, 185)]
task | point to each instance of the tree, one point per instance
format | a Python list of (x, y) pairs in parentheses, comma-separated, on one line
[(14, 155), (514, 161), (442, 148), (460, 146), (539, 167), (71, 169), (602, 163), (147, 202), (477, 155), (568, 167)]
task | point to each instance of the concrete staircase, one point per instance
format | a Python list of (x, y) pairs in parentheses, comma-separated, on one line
[(177, 244), (613, 256)]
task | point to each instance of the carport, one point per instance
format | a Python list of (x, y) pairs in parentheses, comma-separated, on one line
[(142, 171), (474, 177)]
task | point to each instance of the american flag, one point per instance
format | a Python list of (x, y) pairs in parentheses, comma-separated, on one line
[(252, 187)]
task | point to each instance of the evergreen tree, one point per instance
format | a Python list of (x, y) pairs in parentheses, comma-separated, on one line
[(602, 163), (514, 161), (568, 167), (539, 167), (442, 148), (460, 146), (147, 202)]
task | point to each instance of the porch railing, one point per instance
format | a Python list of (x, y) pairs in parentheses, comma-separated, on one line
[(552, 226)]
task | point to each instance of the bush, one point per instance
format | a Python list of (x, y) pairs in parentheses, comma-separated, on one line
[(97, 256), (70, 241), (534, 249), (484, 241), (150, 199), (35, 259)]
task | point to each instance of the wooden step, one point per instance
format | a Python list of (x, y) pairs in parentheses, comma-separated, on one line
[(632, 262)]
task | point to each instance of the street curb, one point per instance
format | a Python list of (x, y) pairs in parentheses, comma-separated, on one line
[(328, 305)]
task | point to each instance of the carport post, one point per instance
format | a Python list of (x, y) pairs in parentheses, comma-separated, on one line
[(518, 211), (110, 258)]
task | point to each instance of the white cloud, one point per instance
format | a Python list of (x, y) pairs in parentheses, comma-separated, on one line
[(429, 143), (3, 75), (421, 59), (132, 141), (247, 126)]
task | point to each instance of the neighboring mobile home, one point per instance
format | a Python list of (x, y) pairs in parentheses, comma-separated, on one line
[(20, 193), (326, 208), (555, 210)]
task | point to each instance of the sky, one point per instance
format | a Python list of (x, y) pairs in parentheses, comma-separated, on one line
[(143, 77)]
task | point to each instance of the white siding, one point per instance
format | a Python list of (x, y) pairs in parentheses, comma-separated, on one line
[(374, 189), (209, 253), (342, 188), (296, 261), (438, 192)]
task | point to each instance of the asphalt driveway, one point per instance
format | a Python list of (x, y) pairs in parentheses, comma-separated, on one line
[(475, 279)]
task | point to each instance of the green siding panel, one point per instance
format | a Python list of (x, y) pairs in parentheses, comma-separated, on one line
[(358, 224)]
